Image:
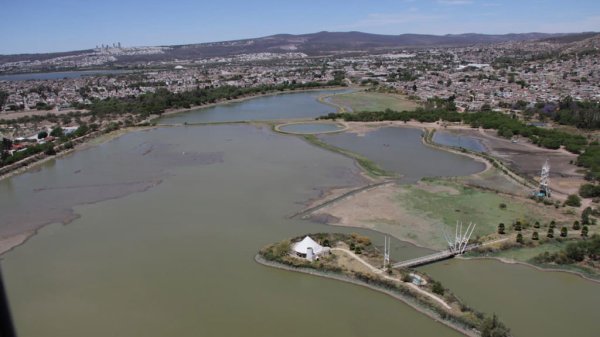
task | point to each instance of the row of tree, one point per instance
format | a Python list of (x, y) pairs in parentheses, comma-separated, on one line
[(162, 99), (507, 125)]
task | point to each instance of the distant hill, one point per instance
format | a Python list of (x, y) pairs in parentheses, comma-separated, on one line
[(336, 42), (320, 43)]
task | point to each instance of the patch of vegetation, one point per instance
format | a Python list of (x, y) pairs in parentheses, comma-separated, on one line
[(587, 251), (468, 205)]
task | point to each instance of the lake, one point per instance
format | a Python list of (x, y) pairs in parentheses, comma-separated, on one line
[(154, 234), (270, 107), (454, 139)]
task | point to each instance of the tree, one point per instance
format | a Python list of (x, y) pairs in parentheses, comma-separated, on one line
[(501, 228), (576, 225), (57, 132), (573, 200), (491, 327), (563, 232), (518, 226), (552, 224), (50, 150), (519, 238), (535, 236), (536, 224), (42, 135), (437, 288), (585, 216), (584, 231), (575, 252), (550, 233)]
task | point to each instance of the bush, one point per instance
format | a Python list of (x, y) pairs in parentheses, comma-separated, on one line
[(563, 232), (519, 238), (589, 191), (535, 236), (491, 327), (573, 200), (437, 288), (501, 229)]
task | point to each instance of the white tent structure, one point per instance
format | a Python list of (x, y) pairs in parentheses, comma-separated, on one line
[(309, 248)]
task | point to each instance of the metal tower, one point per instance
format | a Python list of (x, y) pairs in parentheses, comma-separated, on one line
[(545, 180)]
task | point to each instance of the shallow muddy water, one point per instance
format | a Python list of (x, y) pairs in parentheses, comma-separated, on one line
[(400, 150)]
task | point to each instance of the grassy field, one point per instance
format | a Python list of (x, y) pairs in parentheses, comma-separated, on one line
[(373, 101), (525, 254), (446, 202)]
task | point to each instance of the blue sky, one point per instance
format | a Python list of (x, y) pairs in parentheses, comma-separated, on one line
[(61, 25)]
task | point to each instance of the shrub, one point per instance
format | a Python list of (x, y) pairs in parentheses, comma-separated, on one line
[(437, 288), (573, 200), (535, 236), (501, 229), (519, 238)]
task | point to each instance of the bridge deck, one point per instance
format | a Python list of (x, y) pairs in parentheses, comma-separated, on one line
[(419, 261), (424, 259)]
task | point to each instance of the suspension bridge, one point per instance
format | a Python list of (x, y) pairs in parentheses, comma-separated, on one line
[(456, 246)]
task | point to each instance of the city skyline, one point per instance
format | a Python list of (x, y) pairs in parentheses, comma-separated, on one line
[(66, 25)]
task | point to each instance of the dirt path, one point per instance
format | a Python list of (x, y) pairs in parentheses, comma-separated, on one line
[(381, 273)]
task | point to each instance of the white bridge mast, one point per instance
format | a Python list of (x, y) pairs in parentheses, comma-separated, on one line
[(386, 252), (458, 245)]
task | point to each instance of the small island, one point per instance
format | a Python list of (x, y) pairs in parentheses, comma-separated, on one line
[(353, 258)]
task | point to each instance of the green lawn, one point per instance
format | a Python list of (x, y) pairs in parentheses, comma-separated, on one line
[(446, 203), (373, 101), (525, 254)]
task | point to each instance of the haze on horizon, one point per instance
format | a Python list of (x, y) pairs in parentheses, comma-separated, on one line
[(38, 26)]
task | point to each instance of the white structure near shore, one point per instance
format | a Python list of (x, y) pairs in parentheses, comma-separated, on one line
[(309, 249)]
